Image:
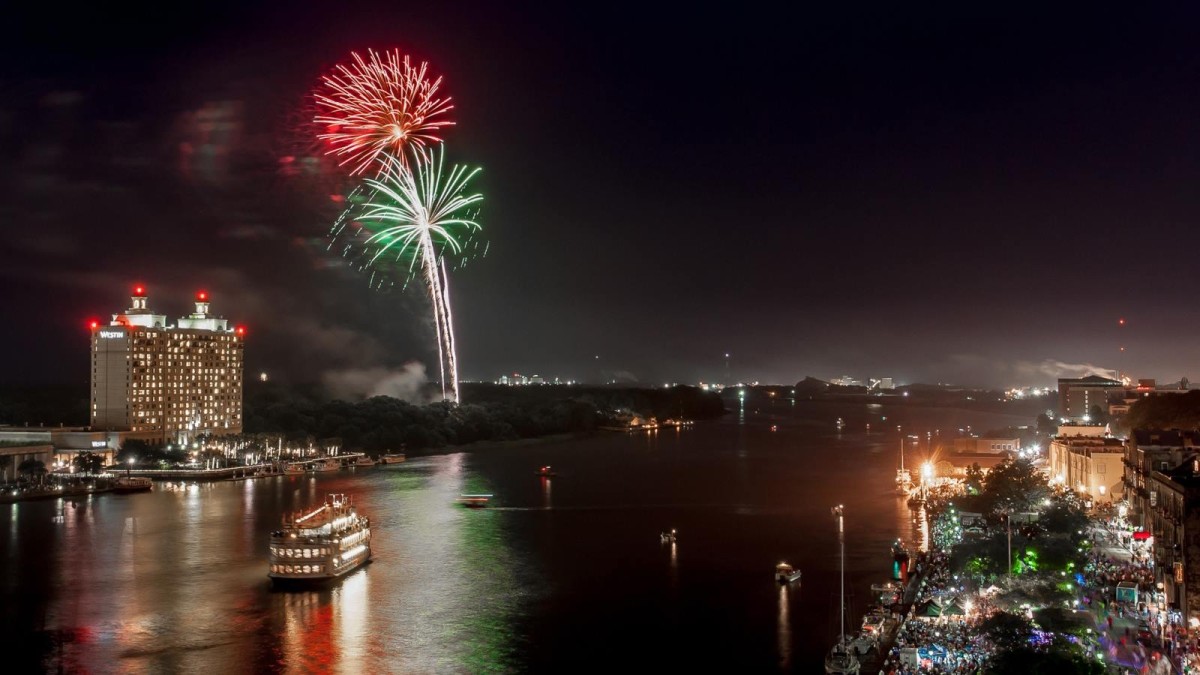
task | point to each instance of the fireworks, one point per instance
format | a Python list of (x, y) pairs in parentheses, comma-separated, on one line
[(415, 216), (381, 105), (382, 113)]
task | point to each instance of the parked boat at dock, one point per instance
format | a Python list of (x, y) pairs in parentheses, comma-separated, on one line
[(841, 660), (327, 464), (364, 461), (132, 484), (392, 458)]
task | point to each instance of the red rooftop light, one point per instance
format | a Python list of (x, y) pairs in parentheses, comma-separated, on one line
[(240, 330), (139, 290), (202, 296), (93, 324)]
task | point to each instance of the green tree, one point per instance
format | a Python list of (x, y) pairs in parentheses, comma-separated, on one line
[(32, 467), (1007, 631), (88, 462), (1045, 425), (1016, 485), (974, 479)]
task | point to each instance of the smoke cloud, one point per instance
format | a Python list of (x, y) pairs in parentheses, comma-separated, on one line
[(1054, 368), (404, 383)]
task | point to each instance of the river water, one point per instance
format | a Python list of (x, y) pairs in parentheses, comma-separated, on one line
[(566, 573)]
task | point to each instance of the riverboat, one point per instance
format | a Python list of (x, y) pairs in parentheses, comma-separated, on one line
[(392, 458), (668, 537), (786, 574), (364, 460), (132, 484), (295, 468), (320, 545)]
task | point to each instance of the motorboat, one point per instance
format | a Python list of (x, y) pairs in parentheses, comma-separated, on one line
[(364, 460), (132, 484), (841, 424), (668, 537), (295, 468), (786, 574), (546, 472), (320, 545), (392, 458), (474, 501)]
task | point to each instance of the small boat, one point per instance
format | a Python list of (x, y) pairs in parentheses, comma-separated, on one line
[(786, 574), (323, 544), (841, 424), (132, 484), (392, 458), (364, 460), (546, 472), (668, 537), (327, 464), (295, 468), (916, 499), (774, 427), (474, 501)]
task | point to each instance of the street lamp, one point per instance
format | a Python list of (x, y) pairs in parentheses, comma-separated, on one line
[(129, 471)]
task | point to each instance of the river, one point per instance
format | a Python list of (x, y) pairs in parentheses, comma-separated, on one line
[(565, 573)]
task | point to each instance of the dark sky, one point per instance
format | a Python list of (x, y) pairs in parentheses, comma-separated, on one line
[(931, 194)]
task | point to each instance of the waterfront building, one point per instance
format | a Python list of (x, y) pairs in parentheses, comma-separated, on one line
[(1092, 466), (1077, 397), (972, 444), (1173, 516), (15, 454), (1149, 450), (68, 442), (169, 383)]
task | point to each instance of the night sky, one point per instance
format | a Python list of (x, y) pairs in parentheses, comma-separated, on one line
[(927, 194)]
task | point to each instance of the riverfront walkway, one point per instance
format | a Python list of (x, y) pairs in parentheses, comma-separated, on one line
[(872, 662)]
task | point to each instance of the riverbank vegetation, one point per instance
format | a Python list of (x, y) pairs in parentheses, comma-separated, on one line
[(490, 413)]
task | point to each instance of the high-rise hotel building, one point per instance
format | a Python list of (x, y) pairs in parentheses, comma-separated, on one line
[(167, 383)]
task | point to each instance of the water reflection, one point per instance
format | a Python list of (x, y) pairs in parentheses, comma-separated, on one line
[(785, 629), (175, 580)]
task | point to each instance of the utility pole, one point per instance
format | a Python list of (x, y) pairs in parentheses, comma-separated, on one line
[(1008, 524)]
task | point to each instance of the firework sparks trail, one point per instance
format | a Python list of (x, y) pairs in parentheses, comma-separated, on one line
[(416, 209), (381, 105)]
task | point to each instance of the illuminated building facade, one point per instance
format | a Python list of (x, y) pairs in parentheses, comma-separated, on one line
[(169, 383)]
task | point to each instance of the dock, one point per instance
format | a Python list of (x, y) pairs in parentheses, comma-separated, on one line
[(872, 662)]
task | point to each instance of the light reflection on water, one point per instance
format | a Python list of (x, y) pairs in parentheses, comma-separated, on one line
[(175, 580)]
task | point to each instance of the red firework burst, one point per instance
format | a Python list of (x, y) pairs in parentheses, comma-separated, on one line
[(379, 104)]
